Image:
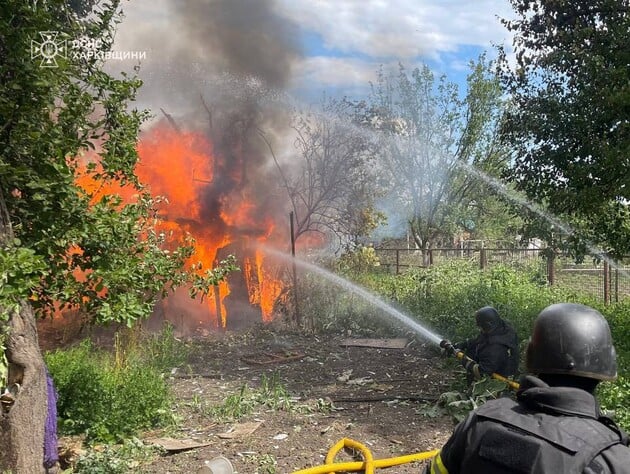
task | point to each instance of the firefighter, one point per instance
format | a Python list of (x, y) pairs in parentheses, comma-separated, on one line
[(555, 424), (495, 349)]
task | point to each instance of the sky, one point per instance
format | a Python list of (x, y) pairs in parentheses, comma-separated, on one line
[(301, 48), (266, 59)]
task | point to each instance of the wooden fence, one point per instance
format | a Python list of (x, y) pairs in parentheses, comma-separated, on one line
[(606, 280)]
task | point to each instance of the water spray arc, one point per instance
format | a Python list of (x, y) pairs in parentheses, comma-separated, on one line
[(369, 464), (402, 318), (371, 298), (564, 228)]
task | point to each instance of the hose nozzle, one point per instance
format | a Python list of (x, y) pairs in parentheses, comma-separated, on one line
[(448, 346)]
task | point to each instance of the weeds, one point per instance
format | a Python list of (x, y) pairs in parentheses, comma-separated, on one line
[(109, 397), (116, 459), (271, 394), (164, 351), (458, 405), (267, 464)]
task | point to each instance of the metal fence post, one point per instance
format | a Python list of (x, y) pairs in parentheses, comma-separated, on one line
[(551, 267), (616, 285), (606, 282)]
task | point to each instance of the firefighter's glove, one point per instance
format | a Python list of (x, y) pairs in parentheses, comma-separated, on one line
[(472, 367)]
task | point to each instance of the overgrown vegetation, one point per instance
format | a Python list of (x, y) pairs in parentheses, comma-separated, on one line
[(109, 397), (567, 124), (78, 230), (116, 459)]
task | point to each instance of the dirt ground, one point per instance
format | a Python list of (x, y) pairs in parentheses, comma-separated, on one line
[(372, 395)]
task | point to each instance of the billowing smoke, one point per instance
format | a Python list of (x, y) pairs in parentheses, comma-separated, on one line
[(248, 51), (223, 50), (245, 38), (218, 68)]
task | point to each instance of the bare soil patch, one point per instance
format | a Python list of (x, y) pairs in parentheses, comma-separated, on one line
[(377, 397)]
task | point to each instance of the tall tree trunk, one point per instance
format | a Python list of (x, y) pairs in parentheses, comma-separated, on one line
[(22, 423)]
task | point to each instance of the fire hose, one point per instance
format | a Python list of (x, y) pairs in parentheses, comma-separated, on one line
[(468, 362), (368, 465)]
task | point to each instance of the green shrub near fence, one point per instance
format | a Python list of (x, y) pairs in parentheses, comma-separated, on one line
[(446, 296)]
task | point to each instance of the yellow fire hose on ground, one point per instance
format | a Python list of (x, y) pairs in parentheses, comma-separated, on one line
[(369, 464)]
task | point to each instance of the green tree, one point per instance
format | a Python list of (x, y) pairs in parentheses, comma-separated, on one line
[(568, 120), (58, 242), (437, 147)]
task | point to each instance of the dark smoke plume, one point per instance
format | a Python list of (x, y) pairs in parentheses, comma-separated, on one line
[(245, 38)]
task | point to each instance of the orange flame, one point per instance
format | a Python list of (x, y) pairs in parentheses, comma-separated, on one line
[(182, 167)]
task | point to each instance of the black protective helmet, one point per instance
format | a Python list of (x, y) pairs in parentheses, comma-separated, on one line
[(487, 318), (572, 339)]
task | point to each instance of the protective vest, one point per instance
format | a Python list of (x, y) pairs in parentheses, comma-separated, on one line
[(504, 363), (507, 437), (507, 337)]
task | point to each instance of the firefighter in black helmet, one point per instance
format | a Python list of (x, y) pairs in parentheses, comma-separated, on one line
[(495, 349), (555, 424)]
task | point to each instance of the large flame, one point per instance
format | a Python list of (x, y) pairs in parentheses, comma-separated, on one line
[(182, 167)]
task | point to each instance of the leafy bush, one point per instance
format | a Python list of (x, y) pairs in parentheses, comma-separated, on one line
[(615, 397), (360, 259), (106, 401), (445, 296), (618, 316)]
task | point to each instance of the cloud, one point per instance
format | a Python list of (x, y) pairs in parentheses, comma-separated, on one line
[(189, 47), (330, 71), (401, 29)]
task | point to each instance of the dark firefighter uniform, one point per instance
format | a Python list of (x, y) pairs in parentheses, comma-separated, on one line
[(495, 350), (548, 430), (554, 426)]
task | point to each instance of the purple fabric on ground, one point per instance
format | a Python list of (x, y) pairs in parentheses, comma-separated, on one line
[(51, 455)]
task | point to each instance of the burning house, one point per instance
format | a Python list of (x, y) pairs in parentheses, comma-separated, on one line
[(203, 152), (222, 200)]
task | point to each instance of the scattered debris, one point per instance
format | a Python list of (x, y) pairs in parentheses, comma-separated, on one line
[(239, 430), (386, 398), (395, 343), (345, 376), (172, 444), (360, 381), (70, 449), (273, 357), (218, 465)]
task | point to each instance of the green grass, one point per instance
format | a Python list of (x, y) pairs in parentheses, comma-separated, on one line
[(110, 397)]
